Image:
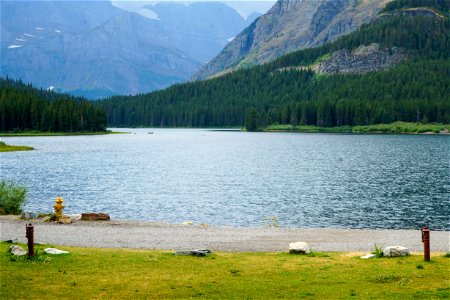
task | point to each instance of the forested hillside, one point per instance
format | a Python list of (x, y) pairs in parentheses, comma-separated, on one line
[(287, 91), (23, 108)]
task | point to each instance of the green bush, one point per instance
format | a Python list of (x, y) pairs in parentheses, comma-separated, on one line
[(378, 251), (12, 197)]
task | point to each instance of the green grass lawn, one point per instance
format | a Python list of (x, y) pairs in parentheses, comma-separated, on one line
[(89, 273), (8, 148), (402, 127), (308, 128), (396, 127)]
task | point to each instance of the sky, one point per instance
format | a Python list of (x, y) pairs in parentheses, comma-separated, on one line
[(244, 7)]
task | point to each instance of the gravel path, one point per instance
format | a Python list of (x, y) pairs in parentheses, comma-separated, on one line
[(124, 234)]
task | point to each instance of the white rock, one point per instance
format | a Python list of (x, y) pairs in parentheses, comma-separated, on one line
[(187, 223), (55, 251), (370, 255), (299, 247), (29, 215), (17, 250), (394, 251), (75, 217)]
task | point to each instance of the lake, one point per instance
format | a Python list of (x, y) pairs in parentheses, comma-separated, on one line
[(236, 178)]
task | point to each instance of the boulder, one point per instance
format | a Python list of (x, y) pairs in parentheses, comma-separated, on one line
[(95, 217), (17, 250), (299, 248), (394, 251), (54, 251), (199, 252), (187, 223), (65, 220)]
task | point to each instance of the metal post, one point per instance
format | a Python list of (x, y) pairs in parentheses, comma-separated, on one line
[(30, 236), (426, 243)]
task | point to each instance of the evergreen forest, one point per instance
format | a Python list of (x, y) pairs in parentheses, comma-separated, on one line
[(25, 108)]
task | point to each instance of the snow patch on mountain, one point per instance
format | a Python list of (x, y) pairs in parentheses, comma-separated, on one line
[(148, 13)]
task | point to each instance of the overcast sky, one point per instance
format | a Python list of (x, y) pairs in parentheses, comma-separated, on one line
[(244, 7)]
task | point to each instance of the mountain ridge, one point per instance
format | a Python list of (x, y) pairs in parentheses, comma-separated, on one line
[(288, 26), (94, 49)]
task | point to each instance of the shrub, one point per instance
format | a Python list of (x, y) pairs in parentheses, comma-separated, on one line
[(12, 197), (378, 251)]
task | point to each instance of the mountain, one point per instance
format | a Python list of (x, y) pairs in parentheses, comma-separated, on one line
[(395, 68), (291, 25), (66, 16), (95, 49), (127, 46), (192, 27)]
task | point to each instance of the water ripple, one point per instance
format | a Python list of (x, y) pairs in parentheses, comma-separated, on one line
[(238, 179)]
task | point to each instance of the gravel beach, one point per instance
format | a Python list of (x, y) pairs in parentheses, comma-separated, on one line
[(145, 235)]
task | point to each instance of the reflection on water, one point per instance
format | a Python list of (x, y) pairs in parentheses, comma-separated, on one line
[(237, 179)]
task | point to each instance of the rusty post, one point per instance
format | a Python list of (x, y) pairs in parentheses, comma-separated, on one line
[(30, 236), (426, 243)]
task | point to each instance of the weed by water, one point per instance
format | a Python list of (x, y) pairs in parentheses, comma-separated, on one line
[(271, 222), (378, 251)]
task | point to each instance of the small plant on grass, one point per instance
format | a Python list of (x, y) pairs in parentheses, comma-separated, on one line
[(12, 198), (447, 255), (318, 254), (378, 251), (388, 278), (419, 266)]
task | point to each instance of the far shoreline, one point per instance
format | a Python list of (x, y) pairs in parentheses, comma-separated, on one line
[(395, 128), (13, 148), (392, 128)]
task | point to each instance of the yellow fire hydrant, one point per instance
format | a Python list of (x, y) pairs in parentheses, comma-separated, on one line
[(58, 207)]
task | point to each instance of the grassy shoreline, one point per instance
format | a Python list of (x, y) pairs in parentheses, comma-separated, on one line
[(43, 133), (123, 273), (10, 148), (393, 128)]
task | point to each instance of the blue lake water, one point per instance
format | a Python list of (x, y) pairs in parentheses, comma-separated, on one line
[(238, 178)]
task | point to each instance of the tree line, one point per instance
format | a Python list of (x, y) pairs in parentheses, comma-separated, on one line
[(441, 5), (23, 107)]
